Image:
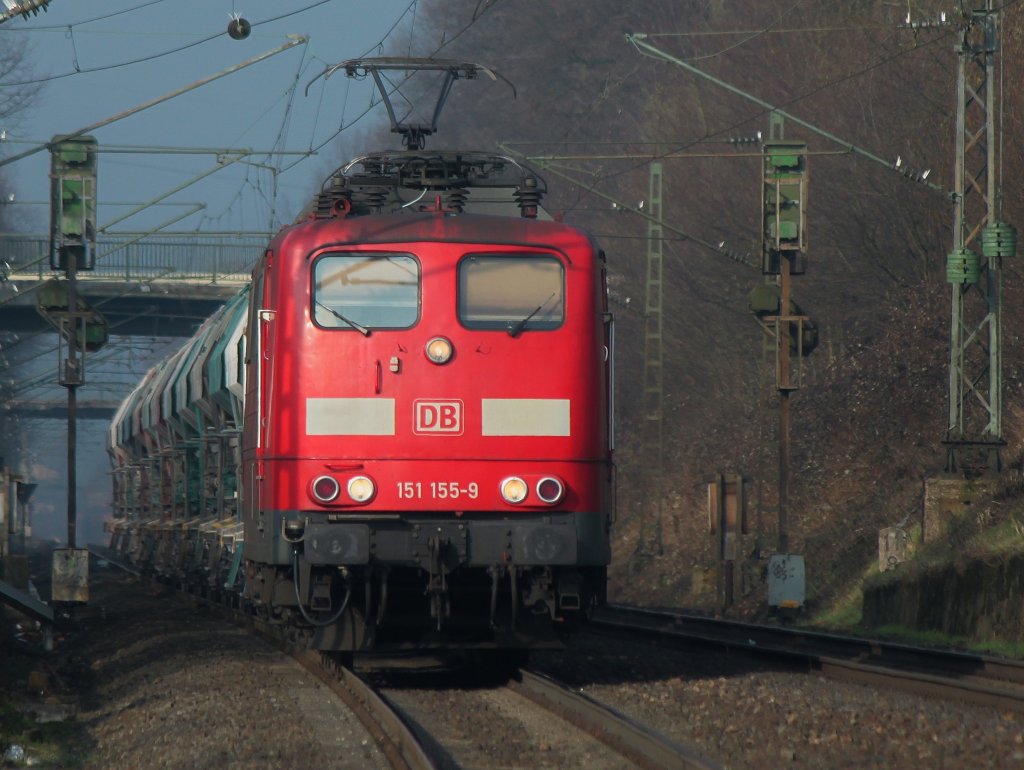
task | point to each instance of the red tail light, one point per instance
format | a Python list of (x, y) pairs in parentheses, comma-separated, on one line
[(325, 489), (550, 490)]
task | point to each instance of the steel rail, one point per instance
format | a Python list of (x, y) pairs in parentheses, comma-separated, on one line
[(623, 734), (980, 679), (393, 735)]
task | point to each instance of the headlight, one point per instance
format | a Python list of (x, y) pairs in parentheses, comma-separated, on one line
[(361, 489), (514, 489), (439, 350), (325, 489), (550, 490)]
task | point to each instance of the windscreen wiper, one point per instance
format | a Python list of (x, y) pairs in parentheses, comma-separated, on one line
[(358, 327), (518, 326)]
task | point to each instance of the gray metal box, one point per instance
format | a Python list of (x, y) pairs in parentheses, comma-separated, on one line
[(786, 585)]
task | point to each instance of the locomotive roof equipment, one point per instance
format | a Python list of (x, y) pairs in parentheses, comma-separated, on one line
[(414, 135)]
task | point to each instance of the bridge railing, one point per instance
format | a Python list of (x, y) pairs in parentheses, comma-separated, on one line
[(212, 258)]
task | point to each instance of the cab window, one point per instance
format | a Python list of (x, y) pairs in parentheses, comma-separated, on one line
[(512, 292), (366, 291)]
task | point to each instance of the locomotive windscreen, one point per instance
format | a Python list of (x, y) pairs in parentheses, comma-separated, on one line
[(498, 292), (366, 291)]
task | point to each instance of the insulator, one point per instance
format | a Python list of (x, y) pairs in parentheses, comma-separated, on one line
[(999, 240), (371, 197), (457, 198), (528, 197), (324, 202), (963, 266), (24, 7), (376, 196)]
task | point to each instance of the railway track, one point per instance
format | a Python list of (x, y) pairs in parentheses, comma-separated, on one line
[(412, 733), (398, 727), (964, 677), (628, 737), (531, 721)]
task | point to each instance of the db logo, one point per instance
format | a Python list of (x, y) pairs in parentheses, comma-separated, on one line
[(438, 417)]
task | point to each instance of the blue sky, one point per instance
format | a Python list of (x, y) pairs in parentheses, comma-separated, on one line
[(261, 107)]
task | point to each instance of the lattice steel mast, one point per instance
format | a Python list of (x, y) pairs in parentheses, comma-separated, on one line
[(975, 425), (650, 542)]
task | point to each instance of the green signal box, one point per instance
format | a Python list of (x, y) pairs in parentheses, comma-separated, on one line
[(765, 302), (91, 329), (783, 206), (73, 203)]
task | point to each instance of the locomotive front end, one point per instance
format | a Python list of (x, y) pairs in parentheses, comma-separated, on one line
[(432, 464)]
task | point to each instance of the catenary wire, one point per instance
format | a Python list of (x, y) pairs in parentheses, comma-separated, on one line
[(150, 57), (50, 27), (795, 100)]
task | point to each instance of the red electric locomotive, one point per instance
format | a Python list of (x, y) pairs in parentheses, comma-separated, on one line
[(426, 447)]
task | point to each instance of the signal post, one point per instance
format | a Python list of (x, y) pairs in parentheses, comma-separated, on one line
[(79, 328), (783, 245)]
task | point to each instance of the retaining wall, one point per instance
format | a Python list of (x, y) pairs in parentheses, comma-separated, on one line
[(980, 600)]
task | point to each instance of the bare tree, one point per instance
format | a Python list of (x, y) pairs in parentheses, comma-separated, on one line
[(17, 97)]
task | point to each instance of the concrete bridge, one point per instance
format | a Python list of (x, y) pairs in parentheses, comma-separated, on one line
[(148, 284), (144, 284)]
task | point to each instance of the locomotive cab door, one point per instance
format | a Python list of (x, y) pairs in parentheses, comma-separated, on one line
[(259, 534), (608, 320)]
